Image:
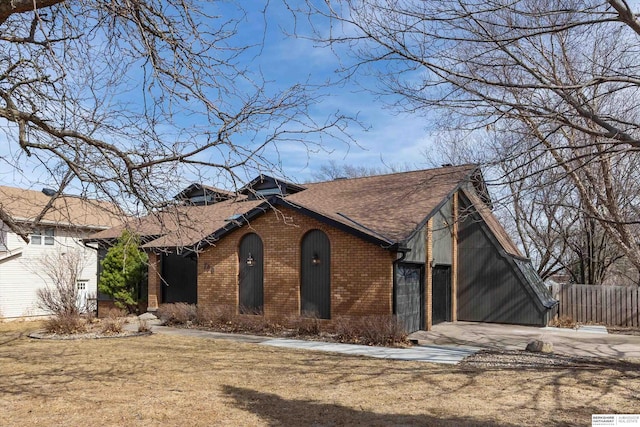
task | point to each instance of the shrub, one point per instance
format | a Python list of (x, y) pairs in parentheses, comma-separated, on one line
[(216, 316), (304, 326), (563, 322), (371, 330), (65, 324), (124, 270), (382, 330), (143, 326), (178, 313), (256, 324), (112, 325)]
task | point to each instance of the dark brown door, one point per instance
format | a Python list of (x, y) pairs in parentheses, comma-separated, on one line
[(441, 307), (315, 275), (409, 296), (250, 258), (180, 278)]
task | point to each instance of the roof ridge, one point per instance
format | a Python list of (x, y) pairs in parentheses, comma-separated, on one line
[(338, 179)]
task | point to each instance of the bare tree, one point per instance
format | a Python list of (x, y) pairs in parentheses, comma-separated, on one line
[(557, 76), (121, 98), (60, 296), (333, 170)]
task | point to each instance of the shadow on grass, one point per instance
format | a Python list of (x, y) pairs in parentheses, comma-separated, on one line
[(278, 411)]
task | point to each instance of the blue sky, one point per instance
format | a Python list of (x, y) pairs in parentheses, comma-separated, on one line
[(389, 138)]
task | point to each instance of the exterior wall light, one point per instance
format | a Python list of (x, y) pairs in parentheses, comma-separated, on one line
[(250, 261), (315, 260)]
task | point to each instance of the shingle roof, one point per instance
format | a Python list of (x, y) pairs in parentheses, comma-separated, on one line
[(388, 208), (24, 206), (181, 226)]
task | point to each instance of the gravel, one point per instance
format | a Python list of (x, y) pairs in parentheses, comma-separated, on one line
[(515, 359)]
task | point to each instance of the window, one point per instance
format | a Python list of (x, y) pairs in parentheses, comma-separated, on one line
[(46, 236), (82, 285)]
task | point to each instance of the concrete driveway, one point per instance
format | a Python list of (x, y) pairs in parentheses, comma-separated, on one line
[(514, 337)]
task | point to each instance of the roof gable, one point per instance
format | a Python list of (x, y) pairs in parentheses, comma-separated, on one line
[(199, 194), (264, 186), (389, 206)]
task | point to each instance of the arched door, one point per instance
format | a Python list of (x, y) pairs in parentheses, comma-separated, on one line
[(250, 285), (315, 275)]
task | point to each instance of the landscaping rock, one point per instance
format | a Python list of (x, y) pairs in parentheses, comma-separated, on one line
[(538, 346), (147, 316)]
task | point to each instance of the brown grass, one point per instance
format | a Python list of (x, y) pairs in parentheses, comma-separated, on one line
[(168, 380)]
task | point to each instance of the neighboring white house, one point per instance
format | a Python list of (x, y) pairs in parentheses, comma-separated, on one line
[(58, 234)]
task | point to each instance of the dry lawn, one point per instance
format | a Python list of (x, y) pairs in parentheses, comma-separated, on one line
[(176, 381)]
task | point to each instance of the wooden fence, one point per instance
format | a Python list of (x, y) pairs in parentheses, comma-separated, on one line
[(606, 305)]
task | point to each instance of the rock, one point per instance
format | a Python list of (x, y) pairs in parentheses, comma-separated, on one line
[(147, 316), (538, 346)]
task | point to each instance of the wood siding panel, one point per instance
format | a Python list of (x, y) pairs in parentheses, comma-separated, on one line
[(489, 289)]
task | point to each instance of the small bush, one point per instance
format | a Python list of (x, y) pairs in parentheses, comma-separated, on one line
[(371, 330), (143, 326), (304, 326), (177, 314), (346, 330), (215, 317), (563, 322), (112, 325), (255, 324), (66, 324)]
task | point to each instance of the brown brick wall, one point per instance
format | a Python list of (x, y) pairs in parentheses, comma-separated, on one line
[(361, 272), (154, 281)]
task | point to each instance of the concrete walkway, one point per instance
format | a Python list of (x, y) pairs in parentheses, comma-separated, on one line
[(425, 353), (447, 354), (513, 337)]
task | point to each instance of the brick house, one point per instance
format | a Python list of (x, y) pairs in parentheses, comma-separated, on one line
[(422, 245)]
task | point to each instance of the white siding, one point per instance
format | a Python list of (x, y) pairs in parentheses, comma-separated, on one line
[(22, 274)]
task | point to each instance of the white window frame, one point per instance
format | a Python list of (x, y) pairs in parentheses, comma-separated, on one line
[(44, 236)]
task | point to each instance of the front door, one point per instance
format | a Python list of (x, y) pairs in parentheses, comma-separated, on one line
[(441, 307), (315, 275), (409, 296), (250, 280)]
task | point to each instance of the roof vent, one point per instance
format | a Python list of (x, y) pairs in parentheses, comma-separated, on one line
[(339, 178), (49, 192), (446, 165)]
